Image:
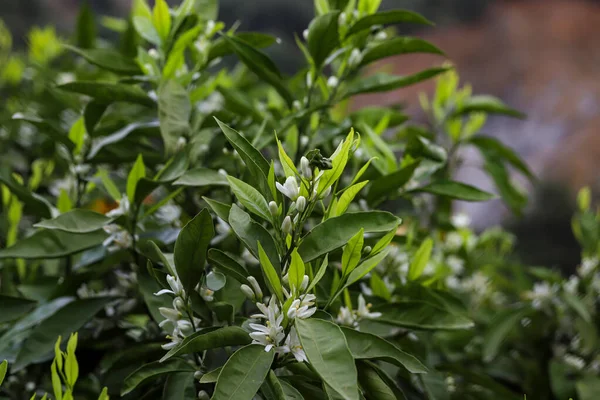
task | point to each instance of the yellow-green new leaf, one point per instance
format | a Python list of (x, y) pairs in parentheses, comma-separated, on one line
[(77, 135), (296, 271), (3, 369), (420, 260), (135, 175), (286, 162), (339, 159), (383, 242), (250, 198), (365, 267), (71, 365), (161, 19), (347, 197), (270, 273), (352, 252)]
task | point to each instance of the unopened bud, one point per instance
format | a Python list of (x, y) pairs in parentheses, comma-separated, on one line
[(305, 168), (185, 326), (178, 304), (202, 395), (286, 226), (301, 203), (198, 375), (367, 250), (332, 82), (256, 287), (326, 192), (305, 34), (355, 58), (309, 79), (248, 292), (304, 283), (273, 209)]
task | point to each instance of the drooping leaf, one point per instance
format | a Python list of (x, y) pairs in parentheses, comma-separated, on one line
[(455, 190), (76, 221), (107, 92), (191, 247), (382, 82), (46, 244), (330, 358), (486, 104), (387, 17), (421, 315), (221, 47), (152, 371), (335, 232), (211, 338), (367, 346), (398, 46), (243, 374), (110, 60), (493, 145)]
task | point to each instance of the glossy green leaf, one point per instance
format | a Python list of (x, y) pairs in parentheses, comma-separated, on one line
[(270, 273), (174, 111), (180, 386), (12, 308), (138, 171), (221, 209), (494, 146), (420, 260), (499, 329), (383, 242), (335, 232), (250, 198), (348, 196), (68, 319), (398, 46), (76, 221), (320, 273), (243, 374), (221, 47), (211, 338), (486, 104), (388, 185), (387, 17), (174, 168), (212, 376), (323, 37), (153, 370), (33, 203), (296, 270), (109, 60), (46, 244), (420, 315), (85, 32), (330, 358), (3, 369), (251, 232), (109, 92), (382, 82), (455, 190), (366, 266), (367, 346), (191, 247), (352, 252), (199, 177), (373, 385), (272, 388)]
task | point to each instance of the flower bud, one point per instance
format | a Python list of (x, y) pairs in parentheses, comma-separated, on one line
[(367, 249), (248, 292), (286, 226), (301, 203), (304, 283), (169, 313), (256, 287), (332, 82), (175, 285), (305, 34), (355, 58), (309, 79), (185, 326), (179, 304), (305, 168), (273, 209), (202, 395), (198, 375), (326, 192), (154, 54)]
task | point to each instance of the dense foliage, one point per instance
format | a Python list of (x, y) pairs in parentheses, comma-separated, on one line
[(175, 229)]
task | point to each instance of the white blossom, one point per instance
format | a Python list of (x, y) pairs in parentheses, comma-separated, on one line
[(289, 188), (363, 309), (292, 342), (461, 220), (118, 238), (169, 213), (302, 307)]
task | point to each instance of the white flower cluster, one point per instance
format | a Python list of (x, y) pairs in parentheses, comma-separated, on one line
[(352, 318), (542, 295)]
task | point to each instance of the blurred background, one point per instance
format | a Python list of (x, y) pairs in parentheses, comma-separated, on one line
[(540, 56)]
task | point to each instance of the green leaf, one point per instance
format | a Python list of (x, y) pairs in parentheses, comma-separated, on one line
[(336, 232), (161, 19), (499, 329), (33, 202), (46, 244), (398, 46), (221, 209), (366, 266), (488, 144), (3, 369), (388, 185), (46, 128), (286, 162), (211, 338), (320, 273), (323, 37), (145, 28), (174, 111), (372, 384), (348, 196), (250, 198), (68, 319), (291, 393), (577, 305), (383, 242), (330, 358), (221, 47), (251, 232), (12, 308), (455, 190), (191, 247), (486, 104), (258, 167), (420, 260), (352, 252), (174, 168), (420, 315), (121, 134), (513, 197), (296, 270), (92, 114), (215, 281), (76, 221), (152, 371), (270, 273), (86, 27), (179, 386), (259, 63), (272, 388), (387, 17), (199, 177), (77, 135), (382, 82), (212, 376), (339, 159), (107, 92), (138, 171), (109, 60), (367, 346), (243, 374), (588, 388)]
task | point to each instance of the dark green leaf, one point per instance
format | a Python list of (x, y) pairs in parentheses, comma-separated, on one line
[(323, 37), (47, 244), (290, 392), (180, 386), (372, 385), (94, 110), (212, 376), (455, 190), (486, 104), (330, 358), (420, 315), (104, 141), (152, 371), (382, 82), (398, 46), (76, 221), (86, 27), (221, 209), (198, 177), (211, 338), (108, 59), (221, 47), (33, 202), (335, 232), (47, 128), (387, 17), (12, 308), (174, 168), (272, 388), (174, 111), (501, 326), (494, 146), (388, 185), (228, 265), (368, 346), (108, 92), (191, 247), (243, 373)]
